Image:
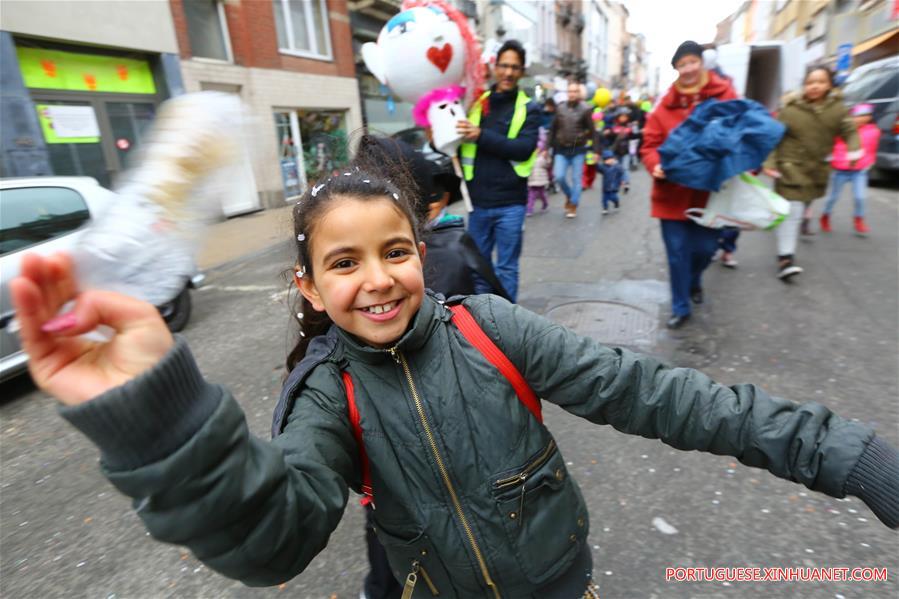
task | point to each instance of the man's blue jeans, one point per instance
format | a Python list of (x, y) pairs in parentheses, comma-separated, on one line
[(859, 182), (500, 227), (690, 248), (562, 164)]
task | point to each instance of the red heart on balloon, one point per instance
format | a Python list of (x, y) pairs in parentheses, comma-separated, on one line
[(440, 57)]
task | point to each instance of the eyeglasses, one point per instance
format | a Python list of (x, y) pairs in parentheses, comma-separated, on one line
[(504, 66)]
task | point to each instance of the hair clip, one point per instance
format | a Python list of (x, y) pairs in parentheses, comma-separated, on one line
[(301, 272), (396, 196), (302, 334), (300, 315), (366, 181), (347, 174), (301, 237), (317, 189)]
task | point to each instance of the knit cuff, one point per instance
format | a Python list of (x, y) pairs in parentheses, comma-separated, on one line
[(875, 480), (149, 417)]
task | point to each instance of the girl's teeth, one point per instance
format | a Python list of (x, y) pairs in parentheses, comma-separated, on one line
[(380, 309)]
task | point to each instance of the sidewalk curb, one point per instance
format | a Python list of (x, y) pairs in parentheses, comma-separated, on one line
[(241, 259)]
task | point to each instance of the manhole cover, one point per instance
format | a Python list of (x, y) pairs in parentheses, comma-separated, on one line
[(611, 323)]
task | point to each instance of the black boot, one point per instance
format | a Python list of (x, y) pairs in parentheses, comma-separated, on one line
[(677, 321)]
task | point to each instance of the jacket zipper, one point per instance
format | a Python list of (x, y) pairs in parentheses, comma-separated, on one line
[(521, 477), (412, 578), (401, 360)]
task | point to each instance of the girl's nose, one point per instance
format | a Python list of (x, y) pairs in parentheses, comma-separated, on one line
[(377, 278)]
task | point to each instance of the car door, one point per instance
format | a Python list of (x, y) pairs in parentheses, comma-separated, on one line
[(43, 219)]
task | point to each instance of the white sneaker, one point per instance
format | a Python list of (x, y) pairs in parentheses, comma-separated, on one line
[(788, 271)]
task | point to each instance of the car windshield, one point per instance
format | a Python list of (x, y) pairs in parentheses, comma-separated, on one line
[(876, 84)]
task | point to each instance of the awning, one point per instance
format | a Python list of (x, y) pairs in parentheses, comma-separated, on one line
[(873, 42)]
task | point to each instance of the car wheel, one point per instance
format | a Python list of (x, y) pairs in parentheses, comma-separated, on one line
[(176, 313)]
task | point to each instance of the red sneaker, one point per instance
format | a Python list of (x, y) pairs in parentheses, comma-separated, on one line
[(825, 223), (860, 227)]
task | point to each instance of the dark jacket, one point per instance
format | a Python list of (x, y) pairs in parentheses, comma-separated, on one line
[(495, 183), (612, 174), (447, 441), (801, 156), (452, 258), (571, 129)]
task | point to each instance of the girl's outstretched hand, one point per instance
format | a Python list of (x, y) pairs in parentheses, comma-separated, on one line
[(61, 362)]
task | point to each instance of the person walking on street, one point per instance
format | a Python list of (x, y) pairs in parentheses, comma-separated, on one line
[(798, 164), (844, 172), (571, 130), (497, 157), (689, 246), (538, 180), (612, 180), (621, 134)]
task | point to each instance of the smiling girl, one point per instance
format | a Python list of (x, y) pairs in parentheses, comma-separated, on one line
[(393, 393)]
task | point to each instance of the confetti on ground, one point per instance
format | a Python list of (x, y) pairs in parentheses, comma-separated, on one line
[(663, 527)]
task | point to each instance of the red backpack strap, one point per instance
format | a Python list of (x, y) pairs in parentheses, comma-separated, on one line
[(466, 323), (367, 495)]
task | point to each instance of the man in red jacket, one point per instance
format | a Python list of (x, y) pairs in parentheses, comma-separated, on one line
[(689, 246)]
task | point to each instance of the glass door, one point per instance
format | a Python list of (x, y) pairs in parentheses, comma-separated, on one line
[(129, 122), (290, 147), (72, 135)]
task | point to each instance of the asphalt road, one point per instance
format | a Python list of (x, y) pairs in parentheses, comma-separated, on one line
[(831, 338)]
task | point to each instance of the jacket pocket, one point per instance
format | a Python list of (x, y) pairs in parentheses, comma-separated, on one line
[(542, 513), (415, 564)]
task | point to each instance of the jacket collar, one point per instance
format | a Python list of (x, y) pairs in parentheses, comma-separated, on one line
[(502, 97), (713, 87), (429, 316)]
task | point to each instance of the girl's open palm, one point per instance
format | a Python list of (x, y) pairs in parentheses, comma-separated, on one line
[(69, 367)]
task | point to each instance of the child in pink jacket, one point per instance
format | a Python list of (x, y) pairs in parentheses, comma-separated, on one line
[(852, 169)]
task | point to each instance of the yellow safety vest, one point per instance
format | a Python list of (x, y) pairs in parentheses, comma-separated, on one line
[(469, 150), (590, 159)]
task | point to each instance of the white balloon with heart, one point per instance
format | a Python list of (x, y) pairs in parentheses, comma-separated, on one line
[(418, 50)]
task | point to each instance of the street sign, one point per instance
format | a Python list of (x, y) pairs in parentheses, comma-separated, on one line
[(844, 57)]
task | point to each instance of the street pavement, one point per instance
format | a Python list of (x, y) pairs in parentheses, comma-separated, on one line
[(831, 337)]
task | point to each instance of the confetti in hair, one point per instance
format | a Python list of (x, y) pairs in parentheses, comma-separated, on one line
[(396, 196), (301, 237), (317, 189)]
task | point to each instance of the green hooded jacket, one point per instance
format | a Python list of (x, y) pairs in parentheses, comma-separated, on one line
[(801, 156), (471, 492)]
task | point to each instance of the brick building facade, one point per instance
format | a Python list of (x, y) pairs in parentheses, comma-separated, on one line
[(291, 62)]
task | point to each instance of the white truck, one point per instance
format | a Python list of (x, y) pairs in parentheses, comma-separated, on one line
[(764, 71)]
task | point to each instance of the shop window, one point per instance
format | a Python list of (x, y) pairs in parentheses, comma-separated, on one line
[(207, 29), (324, 138), (302, 27)]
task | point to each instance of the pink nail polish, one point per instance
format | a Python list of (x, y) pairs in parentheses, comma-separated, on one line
[(59, 323)]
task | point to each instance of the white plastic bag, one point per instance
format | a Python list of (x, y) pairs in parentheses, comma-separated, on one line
[(144, 244), (743, 202)]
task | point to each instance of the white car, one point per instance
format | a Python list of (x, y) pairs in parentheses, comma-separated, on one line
[(45, 215)]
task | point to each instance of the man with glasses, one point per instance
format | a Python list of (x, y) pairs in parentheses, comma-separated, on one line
[(498, 155), (571, 130)]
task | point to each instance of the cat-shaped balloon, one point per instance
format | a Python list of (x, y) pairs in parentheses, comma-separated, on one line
[(425, 47)]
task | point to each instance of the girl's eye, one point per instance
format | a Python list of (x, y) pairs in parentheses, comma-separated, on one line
[(397, 253), (345, 263)]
